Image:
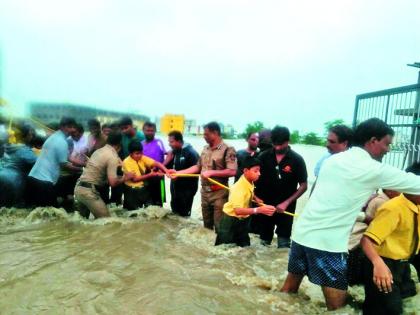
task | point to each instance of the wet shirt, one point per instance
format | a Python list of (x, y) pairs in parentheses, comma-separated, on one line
[(240, 196), (102, 164), (220, 158), (393, 228), (154, 149), (345, 183), (140, 167), (54, 152), (278, 181)]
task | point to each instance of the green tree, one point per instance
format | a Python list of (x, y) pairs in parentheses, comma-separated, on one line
[(226, 135), (331, 123), (295, 137), (252, 128), (312, 138)]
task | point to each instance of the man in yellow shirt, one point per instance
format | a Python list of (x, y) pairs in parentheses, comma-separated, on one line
[(136, 194), (390, 242), (234, 224)]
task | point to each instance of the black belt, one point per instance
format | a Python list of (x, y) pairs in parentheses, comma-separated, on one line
[(89, 185), (396, 260)]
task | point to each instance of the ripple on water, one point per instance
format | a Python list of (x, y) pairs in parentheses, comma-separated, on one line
[(142, 262)]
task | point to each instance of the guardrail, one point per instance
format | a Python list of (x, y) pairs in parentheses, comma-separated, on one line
[(399, 108)]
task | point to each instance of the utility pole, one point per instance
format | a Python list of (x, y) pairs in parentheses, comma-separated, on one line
[(415, 134), (415, 65)]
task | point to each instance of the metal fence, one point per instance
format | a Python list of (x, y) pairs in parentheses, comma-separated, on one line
[(399, 107)]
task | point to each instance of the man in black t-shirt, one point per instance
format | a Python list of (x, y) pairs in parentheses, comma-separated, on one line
[(183, 190), (283, 180), (252, 150)]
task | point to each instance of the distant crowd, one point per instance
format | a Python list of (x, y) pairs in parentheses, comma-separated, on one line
[(360, 225)]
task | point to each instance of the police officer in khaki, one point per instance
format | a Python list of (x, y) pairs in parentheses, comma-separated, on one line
[(217, 161), (101, 170)]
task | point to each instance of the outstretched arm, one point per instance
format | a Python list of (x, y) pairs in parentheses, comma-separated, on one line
[(382, 276)]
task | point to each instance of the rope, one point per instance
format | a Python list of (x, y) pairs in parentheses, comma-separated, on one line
[(225, 187)]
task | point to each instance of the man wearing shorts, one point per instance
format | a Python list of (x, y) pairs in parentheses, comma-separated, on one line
[(321, 232)]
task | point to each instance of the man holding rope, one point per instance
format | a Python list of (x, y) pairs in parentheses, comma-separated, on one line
[(183, 190), (217, 161), (283, 180), (321, 232)]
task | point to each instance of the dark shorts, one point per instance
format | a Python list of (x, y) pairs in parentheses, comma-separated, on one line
[(41, 193), (233, 230), (135, 198), (355, 266), (323, 268), (381, 303)]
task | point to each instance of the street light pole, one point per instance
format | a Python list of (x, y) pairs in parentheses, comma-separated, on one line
[(415, 65), (415, 135)]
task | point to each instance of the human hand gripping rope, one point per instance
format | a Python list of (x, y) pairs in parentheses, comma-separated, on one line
[(211, 180)]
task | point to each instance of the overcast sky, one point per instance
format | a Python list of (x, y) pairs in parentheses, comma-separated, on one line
[(297, 63)]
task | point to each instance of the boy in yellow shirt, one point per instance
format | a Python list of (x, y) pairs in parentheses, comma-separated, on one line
[(390, 243), (136, 194), (234, 225)]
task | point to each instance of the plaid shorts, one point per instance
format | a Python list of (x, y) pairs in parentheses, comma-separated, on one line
[(323, 268)]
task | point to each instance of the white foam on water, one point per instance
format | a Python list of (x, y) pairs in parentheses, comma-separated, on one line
[(24, 217), (128, 249)]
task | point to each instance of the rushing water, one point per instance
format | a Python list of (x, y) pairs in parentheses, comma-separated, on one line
[(144, 262)]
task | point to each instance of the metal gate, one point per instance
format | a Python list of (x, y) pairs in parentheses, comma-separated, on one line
[(399, 108)]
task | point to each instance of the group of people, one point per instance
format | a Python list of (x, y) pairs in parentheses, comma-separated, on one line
[(110, 158), (346, 234)]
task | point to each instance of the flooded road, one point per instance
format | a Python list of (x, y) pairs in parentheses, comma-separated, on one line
[(144, 262)]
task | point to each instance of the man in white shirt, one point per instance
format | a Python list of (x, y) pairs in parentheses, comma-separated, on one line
[(321, 232), (80, 145)]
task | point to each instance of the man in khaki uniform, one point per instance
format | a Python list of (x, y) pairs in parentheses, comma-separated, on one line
[(100, 170), (217, 161)]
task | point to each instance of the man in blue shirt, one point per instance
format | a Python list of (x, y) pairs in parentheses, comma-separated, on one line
[(46, 171), (339, 139)]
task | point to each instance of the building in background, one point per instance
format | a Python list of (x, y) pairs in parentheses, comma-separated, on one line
[(191, 127), (52, 112), (170, 122)]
